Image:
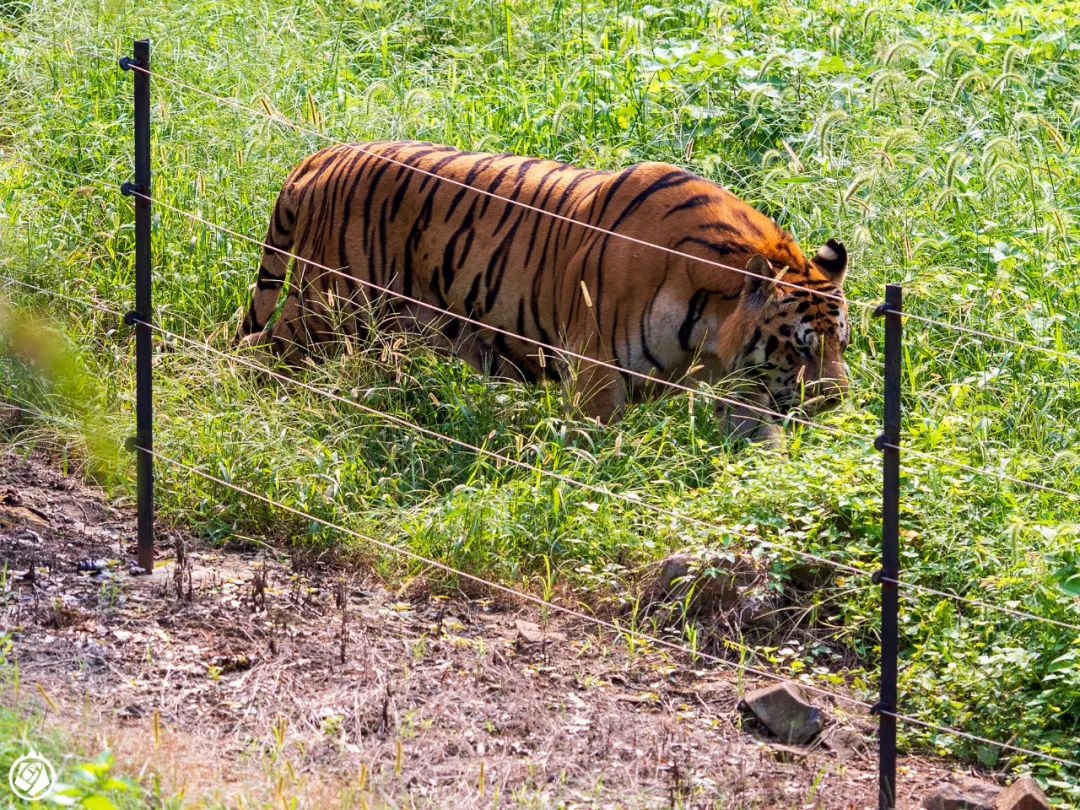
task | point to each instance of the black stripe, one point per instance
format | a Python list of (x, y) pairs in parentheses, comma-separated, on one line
[(493, 187), (620, 178), (412, 241), (314, 236), (473, 173), (276, 248), (643, 325), (265, 272), (374, 185), (723, 248), (752, 344), (251, 321), (497, 269), (696, 201), (573, 184), (720, 227), (509, 207), (573, 229), (438, 167), (614, 328), (542, 204), (693, 314), (373, 267), (399, 196), (749, 225), (279, 211), (669, 180), (448, 263), (407, 164), (356, 168), (470, 298)]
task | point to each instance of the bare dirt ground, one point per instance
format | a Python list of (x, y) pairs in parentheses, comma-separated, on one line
[(255, 679)]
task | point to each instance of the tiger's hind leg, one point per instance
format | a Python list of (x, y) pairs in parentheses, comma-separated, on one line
[(305, 321)]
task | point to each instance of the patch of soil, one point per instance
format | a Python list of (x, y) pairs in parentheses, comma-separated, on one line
[(246, 677)]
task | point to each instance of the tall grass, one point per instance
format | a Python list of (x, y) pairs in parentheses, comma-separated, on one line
[(939, 140)]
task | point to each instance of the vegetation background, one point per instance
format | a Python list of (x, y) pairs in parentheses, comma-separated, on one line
[(939, 140)]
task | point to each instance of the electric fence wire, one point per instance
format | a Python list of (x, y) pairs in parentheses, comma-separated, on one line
[(555, 350), (569, 480), (277, 118), (618, 630)]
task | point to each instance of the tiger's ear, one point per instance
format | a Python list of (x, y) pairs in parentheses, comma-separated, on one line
[(759, 282), (831, 258)]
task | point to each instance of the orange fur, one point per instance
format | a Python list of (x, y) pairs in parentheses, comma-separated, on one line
[(645, 310)]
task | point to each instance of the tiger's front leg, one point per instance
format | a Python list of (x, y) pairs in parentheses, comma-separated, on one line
[(746, 421), (599, 391)]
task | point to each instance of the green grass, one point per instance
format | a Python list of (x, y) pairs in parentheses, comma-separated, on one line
[(939, 140), (81, 781)]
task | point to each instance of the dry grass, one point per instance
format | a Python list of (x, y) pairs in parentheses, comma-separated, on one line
[(233, 684)]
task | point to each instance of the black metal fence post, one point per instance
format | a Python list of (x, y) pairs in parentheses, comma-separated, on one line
[(142, 315), (889, 444)]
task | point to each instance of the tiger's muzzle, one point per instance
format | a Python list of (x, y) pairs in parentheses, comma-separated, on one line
[(816, 395)]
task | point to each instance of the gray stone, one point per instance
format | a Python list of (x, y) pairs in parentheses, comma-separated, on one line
[(705, 582), (845, 743), (532, 633), (785, 712), (979, 788), (1023, 794), (950, 797)]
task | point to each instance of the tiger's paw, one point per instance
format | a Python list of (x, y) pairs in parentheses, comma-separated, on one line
[(256, 349), (745, 423)]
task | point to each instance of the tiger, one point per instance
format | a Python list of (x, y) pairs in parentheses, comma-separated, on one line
[(646, 275)]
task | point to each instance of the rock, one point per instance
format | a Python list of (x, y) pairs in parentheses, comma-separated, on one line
[(21, 515), (531, 633), (978, 788), (1023, 794), (759, 612), (785, 712), (950, 797), (706, 583), (845, 743)]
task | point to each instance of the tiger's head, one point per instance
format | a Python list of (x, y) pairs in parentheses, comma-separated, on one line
[(794, 337)]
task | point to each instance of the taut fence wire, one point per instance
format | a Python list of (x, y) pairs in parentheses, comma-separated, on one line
[(329, 140), (676, 516), (525, 596), (141, 318)]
